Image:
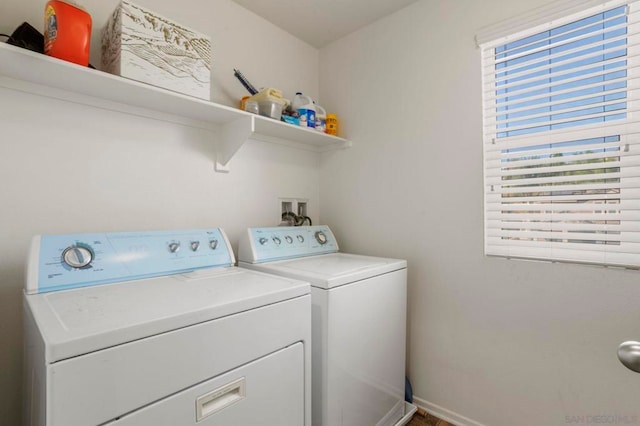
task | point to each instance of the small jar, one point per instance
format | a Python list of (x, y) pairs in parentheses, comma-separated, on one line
[(251, 106)]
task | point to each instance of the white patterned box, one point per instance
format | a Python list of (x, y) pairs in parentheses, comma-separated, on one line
[(144, 46)]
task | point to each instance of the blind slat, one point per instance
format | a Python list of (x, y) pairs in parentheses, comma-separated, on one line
[(515, 151), (621, 226), (624, 215), (625, 130), (518, 175), (630, 194), (506, 57), (588, 251), (570, 208), (631, 183), (524, 68), (631, 84), (567, 252), (493, 113), (548, 161), (532, 77), (511, 123), (537, 183), (589, 238)]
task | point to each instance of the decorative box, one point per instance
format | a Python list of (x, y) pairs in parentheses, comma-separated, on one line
[(144, 46)]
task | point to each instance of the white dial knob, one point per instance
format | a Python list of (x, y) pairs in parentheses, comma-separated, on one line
[(289, 239), (263, 241), (213, 244), (195, 245), (301, 238), (174, 247), (321, 237), (77, 256), (277, 240)]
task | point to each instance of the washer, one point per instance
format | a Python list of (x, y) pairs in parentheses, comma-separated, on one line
[(159, 328), (358, 322)]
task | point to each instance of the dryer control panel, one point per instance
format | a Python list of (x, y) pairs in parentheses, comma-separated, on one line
[(259, 245), (59, 262)]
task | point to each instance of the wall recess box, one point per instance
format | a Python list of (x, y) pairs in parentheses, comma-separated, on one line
[(298, 206)]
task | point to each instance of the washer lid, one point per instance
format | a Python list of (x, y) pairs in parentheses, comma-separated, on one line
[(79, 321), (331, 270)]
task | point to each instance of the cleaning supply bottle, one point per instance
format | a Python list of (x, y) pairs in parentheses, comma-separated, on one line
[(321, 119), (306, 108), (67, 31)]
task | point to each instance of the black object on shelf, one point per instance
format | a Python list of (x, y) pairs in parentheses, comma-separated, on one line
[(244, 81), (27, 37)]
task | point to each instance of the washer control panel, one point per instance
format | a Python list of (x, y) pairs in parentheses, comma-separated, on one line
[(82, 260), (277, 243)]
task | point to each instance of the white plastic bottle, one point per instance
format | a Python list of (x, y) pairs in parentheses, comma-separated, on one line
[(321, 119), (298, 101), (306, 108)]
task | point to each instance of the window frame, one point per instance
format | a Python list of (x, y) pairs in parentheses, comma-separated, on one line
[(628, 130)]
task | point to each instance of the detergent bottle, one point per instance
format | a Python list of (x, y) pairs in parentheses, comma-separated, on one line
[(67, 32), (306, 108), (321, 119)]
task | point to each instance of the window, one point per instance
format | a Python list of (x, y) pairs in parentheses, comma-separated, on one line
[(562, 138)]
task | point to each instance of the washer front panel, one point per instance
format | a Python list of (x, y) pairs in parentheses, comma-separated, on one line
[(261, 245)]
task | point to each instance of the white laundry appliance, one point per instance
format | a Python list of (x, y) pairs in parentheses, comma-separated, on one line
[(358, 322), (159, 328)]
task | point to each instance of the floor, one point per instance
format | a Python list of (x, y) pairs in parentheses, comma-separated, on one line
[(429, 420)]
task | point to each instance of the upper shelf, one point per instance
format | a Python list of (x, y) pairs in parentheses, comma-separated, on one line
[(23, 70)]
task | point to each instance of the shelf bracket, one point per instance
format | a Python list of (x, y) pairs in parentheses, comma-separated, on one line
[(233, 135)]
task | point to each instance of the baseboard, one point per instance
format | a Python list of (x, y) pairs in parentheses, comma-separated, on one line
[(444, 414)]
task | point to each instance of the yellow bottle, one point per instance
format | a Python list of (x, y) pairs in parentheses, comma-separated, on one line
[(332, 124)]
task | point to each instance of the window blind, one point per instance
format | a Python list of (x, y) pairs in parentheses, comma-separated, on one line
[(562, 139)]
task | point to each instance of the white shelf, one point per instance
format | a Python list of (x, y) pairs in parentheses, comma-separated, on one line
[(31, 72)]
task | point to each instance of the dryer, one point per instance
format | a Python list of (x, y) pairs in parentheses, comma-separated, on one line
[(358, 322), (159, 328)]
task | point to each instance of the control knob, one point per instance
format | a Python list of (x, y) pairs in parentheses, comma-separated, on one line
[(263, 241), (195, 245), (321, 237), (289, 239), (277, 240), (213, 244), (301, 238), (77, 256), (174, 247)]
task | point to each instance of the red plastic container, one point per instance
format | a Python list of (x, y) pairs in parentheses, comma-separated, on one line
[(67, 32)]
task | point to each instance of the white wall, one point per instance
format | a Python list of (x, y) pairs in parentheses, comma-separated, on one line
[(70, 168), (497, 342)]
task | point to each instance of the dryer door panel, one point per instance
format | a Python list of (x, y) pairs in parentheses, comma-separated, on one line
[(268, 391), (95, 388)]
